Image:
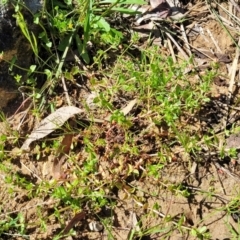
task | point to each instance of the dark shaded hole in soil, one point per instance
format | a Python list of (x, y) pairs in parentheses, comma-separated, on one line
[(12, 106), (214, 111), (225, 161), (29, 178), (16, 161)]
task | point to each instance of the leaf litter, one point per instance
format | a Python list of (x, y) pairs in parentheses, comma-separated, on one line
[(52, 122)]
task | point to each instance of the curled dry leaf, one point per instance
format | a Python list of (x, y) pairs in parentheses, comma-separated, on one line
[(78, 217), (58, 160), (51, 123), (57, 167), (66, 144)]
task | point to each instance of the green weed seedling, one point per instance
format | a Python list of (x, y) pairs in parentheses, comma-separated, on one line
[(179, 189), (15, 224), (200, 233)]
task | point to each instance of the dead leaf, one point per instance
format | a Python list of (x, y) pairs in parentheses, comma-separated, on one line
[(66, 143), (129, 107), (134, 222), (78, 217), (51, 123), (62, 151), (90, 100), (155, 3), (47, 166), (134, 225)]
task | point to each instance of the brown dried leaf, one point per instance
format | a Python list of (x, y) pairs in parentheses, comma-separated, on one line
[(58, 161), (66, 143), (51, 123), (78, 217)]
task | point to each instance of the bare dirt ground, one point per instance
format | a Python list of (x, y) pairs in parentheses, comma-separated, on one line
[(209, 185)]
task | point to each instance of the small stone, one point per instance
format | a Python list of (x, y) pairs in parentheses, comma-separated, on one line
[(95, 226)]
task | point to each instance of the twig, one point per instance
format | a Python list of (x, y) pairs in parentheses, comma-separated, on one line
[(185, 39), (214, 41), (35, 175), (178, 47), (230, 7), (66, 91), (171, 50), (16, 235)]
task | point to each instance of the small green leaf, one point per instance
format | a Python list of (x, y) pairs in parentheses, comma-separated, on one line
[(82, 50), (32, 68), (194, 232), (64, 43), (203, 229), (79, 44), (85, 57), (48, 73), (103, 24), (68, 2), (13, 60), (49, 44)]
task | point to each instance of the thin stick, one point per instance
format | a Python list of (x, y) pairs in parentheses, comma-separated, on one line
[(35, 175), (66, 91), (184, 35), (214, 41), (171, 50), (178, 47)]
